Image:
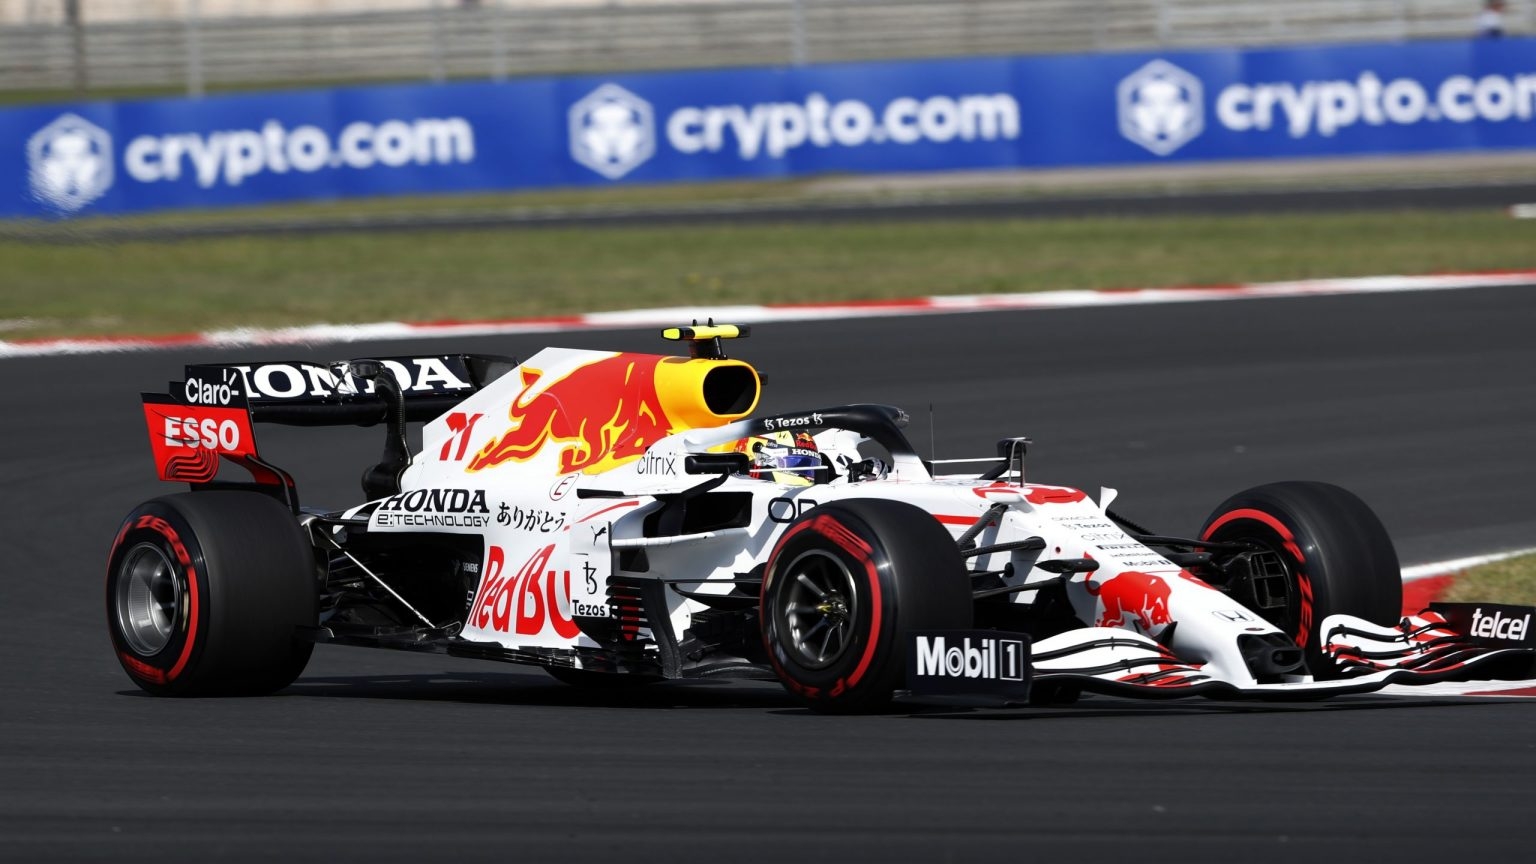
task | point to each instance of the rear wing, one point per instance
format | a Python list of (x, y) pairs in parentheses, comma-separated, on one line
[(209, 417), (300, 393)]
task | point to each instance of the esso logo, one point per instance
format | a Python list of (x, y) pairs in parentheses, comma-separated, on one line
[(207, 433)]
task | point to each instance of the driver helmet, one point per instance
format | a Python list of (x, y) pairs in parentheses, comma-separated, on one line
[(790, 458)]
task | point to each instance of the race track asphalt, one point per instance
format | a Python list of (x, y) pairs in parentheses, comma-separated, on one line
[(1424, 403)]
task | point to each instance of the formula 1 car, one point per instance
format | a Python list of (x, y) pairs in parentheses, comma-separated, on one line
[(623, 518)]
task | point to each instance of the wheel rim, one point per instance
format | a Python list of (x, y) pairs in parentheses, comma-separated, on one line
[(149, 599), (819, 608), (1259, 587)]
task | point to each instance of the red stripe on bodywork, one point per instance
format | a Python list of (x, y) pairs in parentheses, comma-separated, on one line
[(955, 520)]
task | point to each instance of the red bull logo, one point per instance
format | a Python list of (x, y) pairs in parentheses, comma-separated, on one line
[(526, 603), (601, 415), (1132, 601)]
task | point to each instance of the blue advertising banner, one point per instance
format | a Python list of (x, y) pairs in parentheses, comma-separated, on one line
[(993, 112)]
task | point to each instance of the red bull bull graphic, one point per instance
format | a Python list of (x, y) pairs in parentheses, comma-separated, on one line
[(601, 415), (1132, 601)]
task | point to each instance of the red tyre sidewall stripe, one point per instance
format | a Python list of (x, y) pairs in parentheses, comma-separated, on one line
[(873, 643), (160, 526), (1303, 583), (1265, 518), (767, 613), (840, 535), (856, 547)]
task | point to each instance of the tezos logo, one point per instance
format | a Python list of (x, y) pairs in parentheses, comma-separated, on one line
[(1162, 107), (70, 163), (613, 131), (773, 423)]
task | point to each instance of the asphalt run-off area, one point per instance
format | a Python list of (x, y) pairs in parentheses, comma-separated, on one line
[(1421, 402)]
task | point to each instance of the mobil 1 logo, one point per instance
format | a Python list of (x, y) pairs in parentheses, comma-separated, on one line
[(988, 663)]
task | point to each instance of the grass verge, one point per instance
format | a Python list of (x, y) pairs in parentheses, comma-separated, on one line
[(1511, 581), (169, 287)]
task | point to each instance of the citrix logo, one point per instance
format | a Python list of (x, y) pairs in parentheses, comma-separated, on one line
[(1162, 107)]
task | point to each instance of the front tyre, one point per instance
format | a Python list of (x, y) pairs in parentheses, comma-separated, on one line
[(844, 586), (206, 593), (1335, 556)]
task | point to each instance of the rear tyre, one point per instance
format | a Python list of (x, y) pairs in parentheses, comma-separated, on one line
[(206, 593), (844, 586), (1336, 555)]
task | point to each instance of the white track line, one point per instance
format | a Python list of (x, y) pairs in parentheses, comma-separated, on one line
[(1448, 568), (759, 314)]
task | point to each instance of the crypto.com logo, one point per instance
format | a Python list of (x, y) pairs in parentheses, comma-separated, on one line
[(613, 131), (69, 163), (1162, 107)]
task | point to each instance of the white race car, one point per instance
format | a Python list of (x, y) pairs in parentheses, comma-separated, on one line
[(617, 517)]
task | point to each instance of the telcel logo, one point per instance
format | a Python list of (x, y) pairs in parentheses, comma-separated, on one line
[(1496, 626), (995, 659)]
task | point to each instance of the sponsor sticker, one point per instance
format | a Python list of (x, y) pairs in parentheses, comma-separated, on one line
[(460, 511), (773, 423), (1490, 624), (533, 601), (312, 382), (188, 438), (989, 663)]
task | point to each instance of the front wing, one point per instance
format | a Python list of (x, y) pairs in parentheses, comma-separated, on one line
[(1434, 646)]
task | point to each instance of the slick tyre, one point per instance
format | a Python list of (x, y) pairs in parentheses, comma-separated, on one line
[(845, 584), (206, 592), (1336, 555)]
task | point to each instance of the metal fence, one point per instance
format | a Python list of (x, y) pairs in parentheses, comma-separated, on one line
[(193, 45)]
